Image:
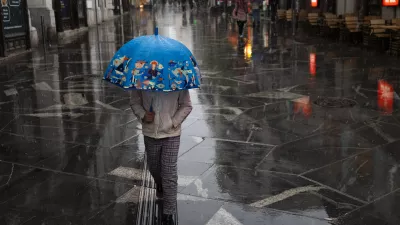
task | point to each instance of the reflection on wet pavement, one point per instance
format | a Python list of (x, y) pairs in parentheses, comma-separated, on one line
[(257, 149)]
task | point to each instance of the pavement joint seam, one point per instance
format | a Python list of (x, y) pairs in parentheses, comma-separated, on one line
[(368, 204), (334, 190), (66, 173), (191, 148), (195, 120), (67, 142), (199, 177), (227, 201), (11, 121), (325, 132), (341, 160), (383, 122), (116, 145), (23, 192), (265, 157), (48, 139)]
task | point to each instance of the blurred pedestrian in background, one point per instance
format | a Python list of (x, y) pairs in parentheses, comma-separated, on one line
[(240, 14), (256, 6), (274, 8), (183, 3)]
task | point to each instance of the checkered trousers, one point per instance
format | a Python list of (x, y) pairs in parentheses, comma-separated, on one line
[(162, 157)]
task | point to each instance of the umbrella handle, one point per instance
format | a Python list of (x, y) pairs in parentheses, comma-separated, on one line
[(151, 106)]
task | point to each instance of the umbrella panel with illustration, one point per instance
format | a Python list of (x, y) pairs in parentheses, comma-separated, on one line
[(155, 63)]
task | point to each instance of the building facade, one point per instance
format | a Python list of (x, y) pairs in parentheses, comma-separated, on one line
[(14, 27), (63, 17)]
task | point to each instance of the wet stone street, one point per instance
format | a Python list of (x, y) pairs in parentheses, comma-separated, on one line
[(282, 132)]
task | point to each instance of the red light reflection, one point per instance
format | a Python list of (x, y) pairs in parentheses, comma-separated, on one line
[(313, 64), (390, 2), (314, 3), (233, 39), (385, 97), (303, 106)]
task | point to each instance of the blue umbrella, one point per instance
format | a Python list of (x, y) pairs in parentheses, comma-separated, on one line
[(154, 62)]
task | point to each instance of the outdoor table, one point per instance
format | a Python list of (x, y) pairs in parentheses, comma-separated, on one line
[(389, 27), (392, 28)]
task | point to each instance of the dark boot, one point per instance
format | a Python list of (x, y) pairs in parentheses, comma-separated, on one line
[(168, 220), (159, 191)]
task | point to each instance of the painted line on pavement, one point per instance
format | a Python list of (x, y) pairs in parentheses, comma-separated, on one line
[(284, 195), (235, 141), (46, 115)]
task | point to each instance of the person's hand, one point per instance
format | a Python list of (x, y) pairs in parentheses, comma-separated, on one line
[(149, 117)]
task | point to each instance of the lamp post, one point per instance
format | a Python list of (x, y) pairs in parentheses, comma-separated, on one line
[(97, 32), (95, 11), (293, 19)]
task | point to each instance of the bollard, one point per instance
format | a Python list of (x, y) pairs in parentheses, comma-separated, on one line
[(43, 33)]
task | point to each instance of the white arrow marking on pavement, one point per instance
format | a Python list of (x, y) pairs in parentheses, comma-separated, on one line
[(185, 180), (202, 192), (222, 217), (107, 106), (284, 195)]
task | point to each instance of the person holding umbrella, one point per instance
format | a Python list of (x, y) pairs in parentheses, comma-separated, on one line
[(161, 115), (161, 102)]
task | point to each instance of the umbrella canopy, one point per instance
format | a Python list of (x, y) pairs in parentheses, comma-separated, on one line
[(154, 62)]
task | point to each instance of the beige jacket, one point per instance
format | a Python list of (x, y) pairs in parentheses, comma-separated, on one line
[(170, 108)]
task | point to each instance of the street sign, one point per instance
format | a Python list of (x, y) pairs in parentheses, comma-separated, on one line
[(65, 9), (15, 3), (13, 17)]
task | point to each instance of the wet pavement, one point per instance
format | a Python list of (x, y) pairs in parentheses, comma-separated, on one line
[(282, 132)]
